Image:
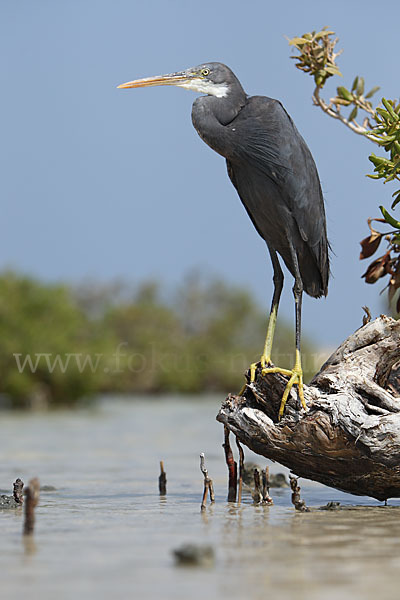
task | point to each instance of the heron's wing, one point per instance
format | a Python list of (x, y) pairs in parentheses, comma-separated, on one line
[(232, 172), (270, 142), (277, 181)]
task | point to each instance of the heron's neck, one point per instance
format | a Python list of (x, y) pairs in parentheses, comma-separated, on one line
[(211, 115), (228, 107)]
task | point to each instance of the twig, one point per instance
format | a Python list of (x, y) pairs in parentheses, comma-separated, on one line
[(232, 467), (336, 114), (211, 490), (18, 487), (32, 498), (208, 484), (265, 481), (205, 492), (257, 495), (241, 467), (296, 501), (162, 480), (367, 317)]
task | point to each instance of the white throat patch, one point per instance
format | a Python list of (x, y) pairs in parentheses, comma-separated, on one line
[(220, 90)]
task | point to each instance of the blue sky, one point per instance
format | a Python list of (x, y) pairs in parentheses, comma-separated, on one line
[(105, 183)]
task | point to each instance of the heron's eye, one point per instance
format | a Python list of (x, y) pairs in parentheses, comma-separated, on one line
[(205, 72)]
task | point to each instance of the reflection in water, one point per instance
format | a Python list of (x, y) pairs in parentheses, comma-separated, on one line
[(105, 532), (29, 543)]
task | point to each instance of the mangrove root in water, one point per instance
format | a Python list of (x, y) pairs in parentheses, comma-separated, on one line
[(265, 482), (241, 469), (257, 495), (208, 484), (18, 487), (232, 467), (297, 502), (162, 480)]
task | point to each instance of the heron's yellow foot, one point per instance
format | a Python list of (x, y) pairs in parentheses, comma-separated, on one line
[(296, 378), (264, 361)]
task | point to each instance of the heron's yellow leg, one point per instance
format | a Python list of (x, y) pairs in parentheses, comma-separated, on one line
[(266, 355), (296, 377)]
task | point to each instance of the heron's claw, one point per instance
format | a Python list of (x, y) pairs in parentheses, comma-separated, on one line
[(264, 361), (253, 369), (296, 377)]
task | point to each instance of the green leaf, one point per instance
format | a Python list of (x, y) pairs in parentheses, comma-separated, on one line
[(395, 201), (323, 33), (389, 219), (353, 114), (344, 93), (389, 108), (354, 86), (360, 86), (383, 113), (372, 91), (333, 70), (342, 101), (378, 160), (297, 41)]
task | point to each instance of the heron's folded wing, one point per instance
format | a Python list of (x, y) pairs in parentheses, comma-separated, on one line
[(271, 143)]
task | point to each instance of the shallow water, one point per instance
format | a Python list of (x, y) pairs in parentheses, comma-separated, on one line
[(106, 533)]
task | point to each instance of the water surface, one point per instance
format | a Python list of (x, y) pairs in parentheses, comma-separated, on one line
[(105, 532)]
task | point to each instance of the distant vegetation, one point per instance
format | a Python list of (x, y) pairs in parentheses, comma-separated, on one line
[(59, 344)]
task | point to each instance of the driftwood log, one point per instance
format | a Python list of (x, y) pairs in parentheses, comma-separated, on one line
[(349, 438)]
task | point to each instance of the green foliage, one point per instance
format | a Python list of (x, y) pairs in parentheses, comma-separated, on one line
[(381, 125), (111, 339), (386, 133), (43, 319), (316, 55)]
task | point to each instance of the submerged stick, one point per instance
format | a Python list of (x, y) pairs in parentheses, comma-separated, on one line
[(257, 496), (162, 480), (31, 492), (265, 481), (204, 498), (211, 490), (18, 487), (241, 467), (208, 484), (296, 500), (232, 467)]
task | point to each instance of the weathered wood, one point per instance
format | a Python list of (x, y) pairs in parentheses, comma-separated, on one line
[(349, 438)]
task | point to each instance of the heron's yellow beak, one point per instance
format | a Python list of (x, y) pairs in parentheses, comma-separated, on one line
[(172, 79)]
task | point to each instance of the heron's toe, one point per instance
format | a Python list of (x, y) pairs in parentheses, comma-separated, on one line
[(265, 360), (296, 378), (253, 369)]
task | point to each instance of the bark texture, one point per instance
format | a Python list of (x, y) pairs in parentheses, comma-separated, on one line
[(349, 438)]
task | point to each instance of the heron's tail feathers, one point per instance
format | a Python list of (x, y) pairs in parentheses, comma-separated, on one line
[(314, 269)]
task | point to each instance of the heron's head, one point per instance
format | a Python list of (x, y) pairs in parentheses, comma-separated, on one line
[(213, 78)]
